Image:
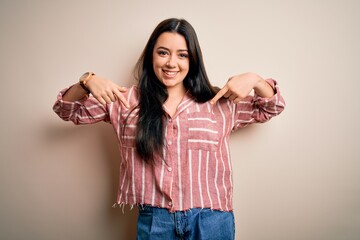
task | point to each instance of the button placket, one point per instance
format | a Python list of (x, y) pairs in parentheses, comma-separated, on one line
[(170, 132)]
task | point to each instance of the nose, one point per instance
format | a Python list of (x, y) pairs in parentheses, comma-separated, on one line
[(171, 63)]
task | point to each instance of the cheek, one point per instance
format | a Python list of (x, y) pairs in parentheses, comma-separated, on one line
[(185, 67), (157, 70), (155, 60), (155, 64)]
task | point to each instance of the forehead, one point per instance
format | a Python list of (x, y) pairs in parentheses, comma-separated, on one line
[(172, 41)]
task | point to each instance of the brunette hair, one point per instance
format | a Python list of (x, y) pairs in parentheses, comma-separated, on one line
[(149, 137)]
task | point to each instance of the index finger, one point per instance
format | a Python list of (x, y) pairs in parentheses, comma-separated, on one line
[(121, 98), (219, 95)]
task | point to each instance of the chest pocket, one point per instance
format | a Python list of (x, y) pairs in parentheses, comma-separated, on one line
[(204, 131)]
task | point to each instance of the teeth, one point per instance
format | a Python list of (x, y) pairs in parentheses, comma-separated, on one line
[(170, 74)]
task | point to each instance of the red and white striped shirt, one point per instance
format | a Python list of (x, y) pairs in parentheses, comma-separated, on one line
[(196, 171)]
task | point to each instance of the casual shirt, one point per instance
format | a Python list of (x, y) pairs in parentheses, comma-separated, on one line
[(195, 170)]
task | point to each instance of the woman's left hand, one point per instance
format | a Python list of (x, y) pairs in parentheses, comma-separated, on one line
[(240, 86)]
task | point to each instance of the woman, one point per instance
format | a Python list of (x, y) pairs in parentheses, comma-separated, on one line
[(173, 128)]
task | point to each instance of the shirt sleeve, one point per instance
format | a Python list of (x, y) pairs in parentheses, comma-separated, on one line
[(255, 109), (85, 111)]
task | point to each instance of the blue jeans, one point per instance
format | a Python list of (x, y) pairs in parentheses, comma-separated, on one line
[(196, 224)]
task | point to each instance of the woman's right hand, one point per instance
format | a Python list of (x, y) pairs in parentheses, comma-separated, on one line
[(106, 91)]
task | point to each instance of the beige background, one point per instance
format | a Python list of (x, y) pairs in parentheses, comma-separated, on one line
[(296, 177)]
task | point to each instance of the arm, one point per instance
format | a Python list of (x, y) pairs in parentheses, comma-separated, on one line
[(258, 109), (266, 103), (105, 91), (240, 86), (76, 105)]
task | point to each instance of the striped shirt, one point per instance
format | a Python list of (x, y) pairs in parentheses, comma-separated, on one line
[(196, 170)]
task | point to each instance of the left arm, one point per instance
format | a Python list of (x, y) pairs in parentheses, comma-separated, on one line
[(239, 87), (266, 103)]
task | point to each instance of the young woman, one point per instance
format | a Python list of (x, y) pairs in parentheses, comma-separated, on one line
[(173, 128)]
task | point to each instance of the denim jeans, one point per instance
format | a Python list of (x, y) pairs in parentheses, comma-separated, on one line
[(195, 224)]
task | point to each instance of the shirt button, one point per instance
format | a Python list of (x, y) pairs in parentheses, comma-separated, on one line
[(169, 169), (170, 120), (169, 142), (170, 203)]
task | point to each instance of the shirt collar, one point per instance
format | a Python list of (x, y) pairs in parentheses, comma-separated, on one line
[(186, 101)]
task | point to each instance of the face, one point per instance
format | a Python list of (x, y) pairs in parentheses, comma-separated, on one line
[(171, 60)]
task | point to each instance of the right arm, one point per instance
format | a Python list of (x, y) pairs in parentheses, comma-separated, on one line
[(76, 105), (105, 91)]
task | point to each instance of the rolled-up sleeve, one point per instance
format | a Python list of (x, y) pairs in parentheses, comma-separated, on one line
[(255, 109), (85, 111)]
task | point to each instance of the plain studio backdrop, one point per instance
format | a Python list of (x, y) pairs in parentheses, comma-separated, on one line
[(295, 178)]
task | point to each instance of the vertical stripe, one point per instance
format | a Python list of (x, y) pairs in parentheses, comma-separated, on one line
[(72, 110), (179, 164), (162, 176), (163, 163), (190, 178), (133, 173), (118, 126), (111, 110), (223, 179), (128, 182), (127, 191), (153, 191), (222, 156), (130, 94), (216, 179), (143, 182), (122, 182), (207, 178), (199, 181), (232, 109)]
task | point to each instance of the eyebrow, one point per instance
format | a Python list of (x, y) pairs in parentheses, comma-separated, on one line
[(179, 50)]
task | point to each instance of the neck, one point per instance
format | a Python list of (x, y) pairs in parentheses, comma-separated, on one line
[(174, 99), (176, 93)]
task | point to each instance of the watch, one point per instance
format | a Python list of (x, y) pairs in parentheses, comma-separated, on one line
[(84, 79)]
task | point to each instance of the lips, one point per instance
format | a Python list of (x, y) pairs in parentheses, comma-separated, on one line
[(170, 74)]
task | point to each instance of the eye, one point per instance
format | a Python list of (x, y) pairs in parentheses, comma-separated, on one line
[(162, 53), (183, 55)]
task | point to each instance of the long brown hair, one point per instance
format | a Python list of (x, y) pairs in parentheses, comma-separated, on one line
[(152, 93)]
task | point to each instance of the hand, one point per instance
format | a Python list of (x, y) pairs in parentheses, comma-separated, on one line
[(238, 87), (106, 91)]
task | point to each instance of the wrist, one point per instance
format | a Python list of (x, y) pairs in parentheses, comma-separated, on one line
[(264, 89), (84, 79)]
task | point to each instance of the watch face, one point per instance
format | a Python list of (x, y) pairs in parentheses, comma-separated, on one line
[(84, 76)]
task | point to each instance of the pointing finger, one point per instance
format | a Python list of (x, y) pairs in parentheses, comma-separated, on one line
[(221, 93), (121, 98)]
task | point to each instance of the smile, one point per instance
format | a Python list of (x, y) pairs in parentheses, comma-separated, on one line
[(170, 73)]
